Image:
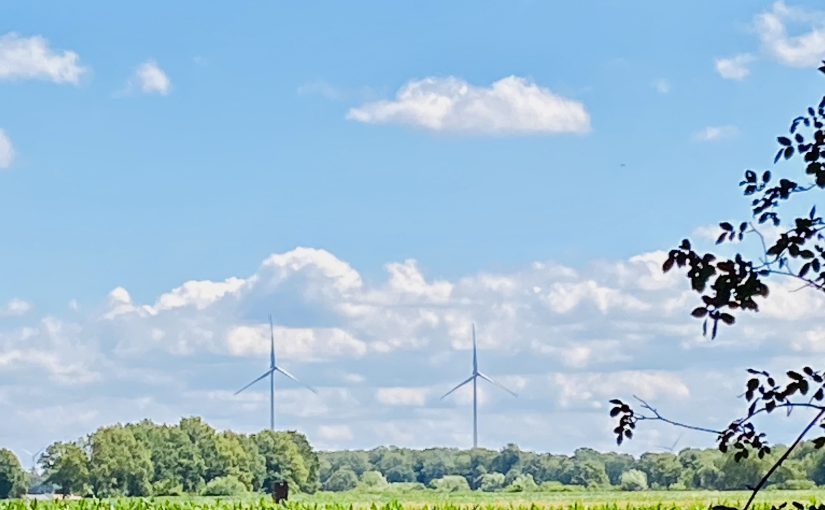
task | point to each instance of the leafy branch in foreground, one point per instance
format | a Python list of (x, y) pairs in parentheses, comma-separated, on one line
[(727, 285)]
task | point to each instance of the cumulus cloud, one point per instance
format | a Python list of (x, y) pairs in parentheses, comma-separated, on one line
[(15, 307), (512, 105), (149, 78), (378, 349), (805, 48), (402, 396), (715, 133), (30, 58), (734, 68)]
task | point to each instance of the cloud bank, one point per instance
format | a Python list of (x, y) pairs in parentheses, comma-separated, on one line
[(512, 105), (381, 352)]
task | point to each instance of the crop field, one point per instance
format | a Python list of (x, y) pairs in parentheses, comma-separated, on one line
[(649, 500)]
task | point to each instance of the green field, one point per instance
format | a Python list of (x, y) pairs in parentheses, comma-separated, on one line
[(430, 500)]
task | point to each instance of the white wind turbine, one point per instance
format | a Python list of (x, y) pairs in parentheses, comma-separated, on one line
[(474, 379), (273, 367)]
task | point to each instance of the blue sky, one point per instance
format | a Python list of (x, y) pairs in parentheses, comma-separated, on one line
[(442, 160)]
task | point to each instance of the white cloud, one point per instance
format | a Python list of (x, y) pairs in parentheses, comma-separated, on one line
[(295, 343), (512, 105), (662, 86), (716, 133), (15, 307), (151, 79), (402, 396), (199, 294), (6, 150), (804, 49), (28, 58), (335, 433), (734, 68), (378, 349)]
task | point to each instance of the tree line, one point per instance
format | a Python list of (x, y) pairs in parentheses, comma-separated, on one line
[(513, 469), (190, 457), (149, 459)]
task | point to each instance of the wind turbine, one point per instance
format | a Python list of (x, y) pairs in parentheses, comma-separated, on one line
[(273, 367), (474, 379)]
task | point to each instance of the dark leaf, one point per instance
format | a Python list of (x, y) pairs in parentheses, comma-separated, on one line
[(699, 312)]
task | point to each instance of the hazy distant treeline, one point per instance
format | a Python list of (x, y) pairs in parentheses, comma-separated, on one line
[(517, 470)]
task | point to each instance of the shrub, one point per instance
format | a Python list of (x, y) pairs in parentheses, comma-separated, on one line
[(224, 486), (373, 480), (795, 485), (342, 480), (491, 482), (167, 488), (522, 483), (556, 486), (450, 483), (633, 480)]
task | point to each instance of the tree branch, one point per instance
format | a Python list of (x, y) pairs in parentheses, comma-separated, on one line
[(658, 417), (781, 459)]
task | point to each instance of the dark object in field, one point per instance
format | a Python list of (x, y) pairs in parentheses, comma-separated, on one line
[(280, 491)]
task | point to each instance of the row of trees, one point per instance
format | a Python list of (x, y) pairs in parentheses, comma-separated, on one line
[(145, 459), (516, 470)]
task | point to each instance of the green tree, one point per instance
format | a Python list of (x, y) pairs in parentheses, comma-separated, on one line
[(615, 464), (13, 480), (373, 480), (283, 461), (662, 469), (450, 483), (633, 480), (342, 480), (522, 483), (224, 486), (311, 461), (67, 466), (491, 482), (119, 464)]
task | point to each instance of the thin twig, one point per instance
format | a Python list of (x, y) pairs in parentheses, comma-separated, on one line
[(659, 417)]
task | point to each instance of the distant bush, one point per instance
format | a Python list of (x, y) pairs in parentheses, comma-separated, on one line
[(795, 485), (373, 480), (633, 480), (450, 483), (491, 482), (522, 483), (406, 487), (167, 488), (224, 486), (556, 486), (342, 480)]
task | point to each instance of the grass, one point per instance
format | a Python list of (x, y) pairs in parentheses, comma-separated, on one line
[(431, 500)]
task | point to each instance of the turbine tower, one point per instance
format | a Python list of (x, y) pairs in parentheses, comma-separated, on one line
[(273, 367), (474, 379)]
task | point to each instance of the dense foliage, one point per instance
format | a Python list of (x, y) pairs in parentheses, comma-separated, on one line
[(514, 470), (191, 457), (13, 481)]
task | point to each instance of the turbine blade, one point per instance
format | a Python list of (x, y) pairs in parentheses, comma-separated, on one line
[(256, 380), (459, 385), (271, 343), (310, 388), (489, 380)]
